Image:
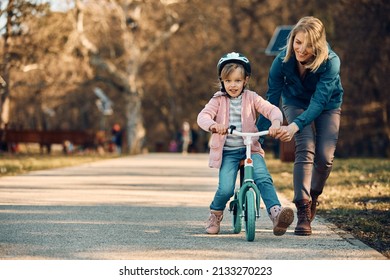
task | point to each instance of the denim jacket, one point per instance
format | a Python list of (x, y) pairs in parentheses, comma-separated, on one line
[(316, 92)]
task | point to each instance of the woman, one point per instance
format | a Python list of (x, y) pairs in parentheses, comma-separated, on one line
[(306, 75)]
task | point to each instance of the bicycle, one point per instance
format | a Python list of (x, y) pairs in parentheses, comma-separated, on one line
[(246, 202)]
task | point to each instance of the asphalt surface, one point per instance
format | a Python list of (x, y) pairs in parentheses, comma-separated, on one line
[(146, 207)]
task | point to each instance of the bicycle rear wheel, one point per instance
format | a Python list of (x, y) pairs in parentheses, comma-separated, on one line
[(236, 218), (250, 216)]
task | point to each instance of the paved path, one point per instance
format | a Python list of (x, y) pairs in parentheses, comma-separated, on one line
[(143, 207)]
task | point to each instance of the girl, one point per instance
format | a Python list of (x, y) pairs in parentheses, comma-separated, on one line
[(235, 105)]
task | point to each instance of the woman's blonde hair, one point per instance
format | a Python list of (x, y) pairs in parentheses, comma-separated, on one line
[(315, 37)]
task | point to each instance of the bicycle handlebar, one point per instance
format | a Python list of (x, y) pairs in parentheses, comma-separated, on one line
[(252, 134), (231, 130)]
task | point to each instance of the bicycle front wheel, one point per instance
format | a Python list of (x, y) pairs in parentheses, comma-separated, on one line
[(250, 215)]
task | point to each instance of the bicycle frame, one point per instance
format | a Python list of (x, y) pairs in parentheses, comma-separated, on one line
[(248, 183)]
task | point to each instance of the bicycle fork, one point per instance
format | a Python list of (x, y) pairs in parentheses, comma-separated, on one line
[(247, 184)]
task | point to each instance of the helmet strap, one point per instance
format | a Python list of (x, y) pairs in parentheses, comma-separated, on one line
[(222, 85)]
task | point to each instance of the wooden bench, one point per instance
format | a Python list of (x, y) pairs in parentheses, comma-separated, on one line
[(47, 138)]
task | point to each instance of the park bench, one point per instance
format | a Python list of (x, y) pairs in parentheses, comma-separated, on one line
[(47, 138)]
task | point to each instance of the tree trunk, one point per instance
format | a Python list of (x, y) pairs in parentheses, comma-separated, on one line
[(4, 91), (135, 128)]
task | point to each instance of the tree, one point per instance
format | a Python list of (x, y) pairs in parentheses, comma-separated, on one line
[(363, 47), (16, 12), (134, 20)]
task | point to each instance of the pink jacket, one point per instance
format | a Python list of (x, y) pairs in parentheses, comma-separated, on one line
[(217, 111)]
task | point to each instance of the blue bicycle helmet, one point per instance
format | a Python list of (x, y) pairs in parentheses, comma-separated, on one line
[(234, 57)]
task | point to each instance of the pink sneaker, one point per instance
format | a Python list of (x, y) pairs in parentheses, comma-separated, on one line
[(214, 221), (282, 219)]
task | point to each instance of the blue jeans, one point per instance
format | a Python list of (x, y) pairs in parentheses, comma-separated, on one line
[(314, 151), (228, 175)]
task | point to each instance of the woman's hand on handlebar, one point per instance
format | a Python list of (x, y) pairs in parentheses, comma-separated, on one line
[(287, 132), (219, 128)]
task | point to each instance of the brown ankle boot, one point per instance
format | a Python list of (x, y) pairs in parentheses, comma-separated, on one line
[(303, 226), (314, 204), (214, 221)]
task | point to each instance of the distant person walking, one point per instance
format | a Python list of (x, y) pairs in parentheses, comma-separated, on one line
[(306, 76), (117, 136), (186, 135)]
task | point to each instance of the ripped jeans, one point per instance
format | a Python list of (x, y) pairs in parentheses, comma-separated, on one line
[(315, 146)]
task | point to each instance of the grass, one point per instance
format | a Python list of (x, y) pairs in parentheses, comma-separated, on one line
[(13, 165), (356, 197)]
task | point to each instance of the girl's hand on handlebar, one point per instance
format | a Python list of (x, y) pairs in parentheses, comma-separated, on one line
[(219, 128), (275, 129)]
